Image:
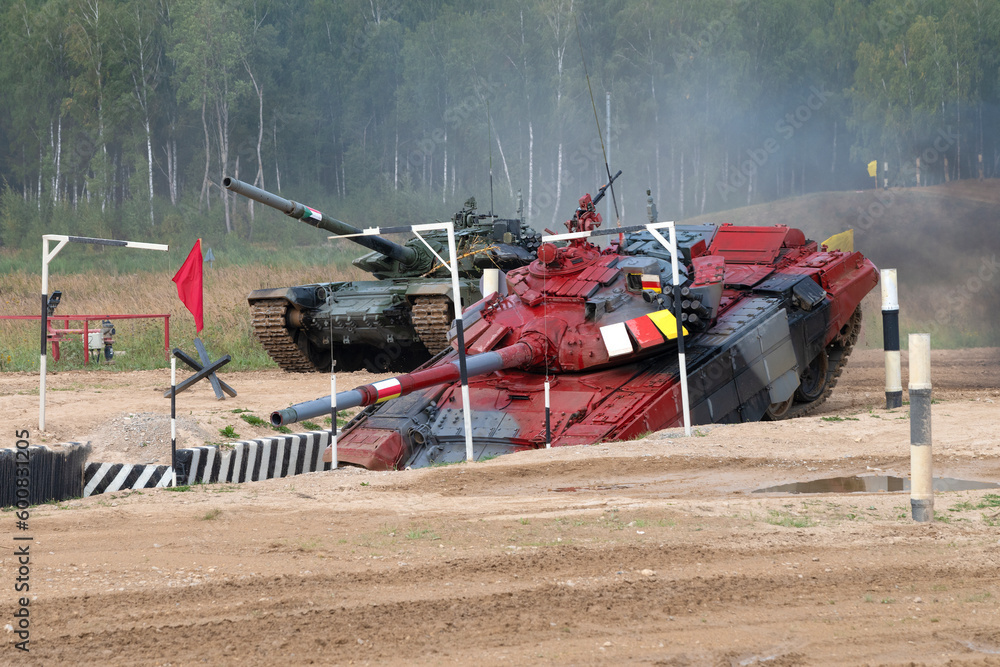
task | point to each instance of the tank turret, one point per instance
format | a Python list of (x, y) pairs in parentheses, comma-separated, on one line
[(768, 320), (397, 322)]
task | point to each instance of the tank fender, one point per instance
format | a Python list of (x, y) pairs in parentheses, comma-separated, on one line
[(423, 289), (301, 296)]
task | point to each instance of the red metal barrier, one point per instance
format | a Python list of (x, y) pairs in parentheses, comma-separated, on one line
[(56, 335)]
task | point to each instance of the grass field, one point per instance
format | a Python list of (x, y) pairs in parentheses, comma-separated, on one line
[(139, 343)]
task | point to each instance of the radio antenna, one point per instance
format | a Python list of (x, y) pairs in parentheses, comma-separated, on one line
[(618, 220), (489, 131)]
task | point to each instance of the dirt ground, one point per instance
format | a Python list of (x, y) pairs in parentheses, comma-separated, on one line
[(654, 551)]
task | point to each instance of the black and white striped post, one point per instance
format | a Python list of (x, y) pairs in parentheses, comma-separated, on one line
[(548, 417), (173, 420), (890, 340), (452, 264), (47, 256), (921, 463), (670, 244)]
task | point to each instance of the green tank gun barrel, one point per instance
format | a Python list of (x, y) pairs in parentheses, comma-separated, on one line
[(320, 220)]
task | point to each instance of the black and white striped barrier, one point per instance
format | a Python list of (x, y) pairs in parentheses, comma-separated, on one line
[(254, 460), (53, 474), (247, 461), (101, 478), (890, 340)]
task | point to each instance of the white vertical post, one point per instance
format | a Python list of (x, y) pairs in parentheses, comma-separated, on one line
[(42, 362), (890, 340), (671, 245), (45, 330), (681, 358), (173, 418), (459, 329), (333, 412), (921, 467), (548, 417)]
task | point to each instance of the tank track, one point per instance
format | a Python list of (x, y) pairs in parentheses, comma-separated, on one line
[(431, 320), (837, 351), (269, 326)]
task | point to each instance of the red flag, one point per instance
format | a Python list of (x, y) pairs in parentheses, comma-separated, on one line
[(188, 279)]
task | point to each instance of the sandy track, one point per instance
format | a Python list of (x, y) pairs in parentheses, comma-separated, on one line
[(650, 552)]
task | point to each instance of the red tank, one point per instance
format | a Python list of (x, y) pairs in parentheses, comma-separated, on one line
[(769, 320)]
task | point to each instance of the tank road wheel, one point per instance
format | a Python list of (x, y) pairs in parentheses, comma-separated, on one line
[(431, 317), (812, 382), (777, 411), (849, 333)]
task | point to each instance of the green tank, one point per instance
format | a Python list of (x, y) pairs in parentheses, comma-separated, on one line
[(394, 323)]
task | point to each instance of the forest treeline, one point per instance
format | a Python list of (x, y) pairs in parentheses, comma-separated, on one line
[(119, 118)]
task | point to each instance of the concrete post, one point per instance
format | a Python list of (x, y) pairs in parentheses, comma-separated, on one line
[(921, 468), (890, 340)]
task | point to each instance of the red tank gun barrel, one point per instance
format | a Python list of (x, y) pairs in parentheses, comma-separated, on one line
[(518, 354)]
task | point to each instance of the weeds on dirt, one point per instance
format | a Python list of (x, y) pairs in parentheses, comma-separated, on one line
[(837, 418), (229, 432), (422, 534), (281, 429), (253, 420), (177, 489), (211, 515), (777, 518), (310, 426), (310, 544)]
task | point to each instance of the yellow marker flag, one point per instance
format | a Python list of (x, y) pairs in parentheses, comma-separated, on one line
[(873, 168), (844, 241)]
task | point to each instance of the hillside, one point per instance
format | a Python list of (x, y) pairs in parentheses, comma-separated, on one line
[(944, 241)]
